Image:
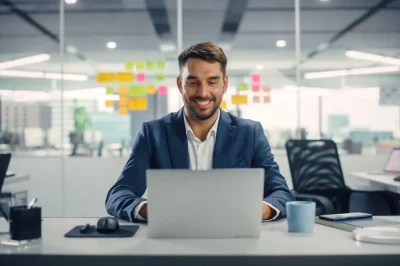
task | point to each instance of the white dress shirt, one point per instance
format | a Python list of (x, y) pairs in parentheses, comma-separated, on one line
[(200, 157)]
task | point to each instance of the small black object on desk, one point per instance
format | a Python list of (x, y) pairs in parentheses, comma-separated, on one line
[(107, 225), (397, 178), (25, 223)]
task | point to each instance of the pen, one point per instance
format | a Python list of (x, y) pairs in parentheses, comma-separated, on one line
[(85, 228), (33, 201)]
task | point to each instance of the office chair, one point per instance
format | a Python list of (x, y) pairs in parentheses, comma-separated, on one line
[(317, 175)]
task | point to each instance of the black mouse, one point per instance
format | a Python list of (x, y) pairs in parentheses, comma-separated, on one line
[(397, 178), (107, 225)]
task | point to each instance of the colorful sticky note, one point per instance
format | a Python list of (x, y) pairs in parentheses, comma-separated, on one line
[(141, 77), (123, 101), (255, 87), (239, 99), (223, 104), (149, 65), (267, 99), (109, 103), (255, 78), (103, 77), (137, 104), (129, 65), (123, 90), (137, 91), (109, 90), (162, 90), (266, 88), (243, 86), (140, 65), (151, 89), (123, 110), (160, 64), (256, 99), (124, 77), (159, 76)]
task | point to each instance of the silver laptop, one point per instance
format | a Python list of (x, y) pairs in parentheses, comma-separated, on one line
[(223, 203), (392, 166)]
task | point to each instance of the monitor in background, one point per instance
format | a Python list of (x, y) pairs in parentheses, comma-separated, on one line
[(393, 162), (4, 162)]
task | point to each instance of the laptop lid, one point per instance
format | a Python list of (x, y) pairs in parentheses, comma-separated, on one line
[(4, 162), (223, 203), (393, 163)]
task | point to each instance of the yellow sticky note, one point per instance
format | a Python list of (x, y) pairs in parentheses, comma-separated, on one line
[(239, 99), (123, 110), (137, 104), (103, 77), (124, 77), (137, 91), (140, 65), (123, 90), (160, 64), (109, 103), (223, 104), (149, 65), (109, 90), (123, 101), (151, 89), (129, 65), (159, 76)]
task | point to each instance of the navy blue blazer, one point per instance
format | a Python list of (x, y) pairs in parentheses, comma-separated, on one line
[(162, 144)]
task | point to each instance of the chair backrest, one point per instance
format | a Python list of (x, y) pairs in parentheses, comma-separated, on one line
[(4, 162), (314, 165)]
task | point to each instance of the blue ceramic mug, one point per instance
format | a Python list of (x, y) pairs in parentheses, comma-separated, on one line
[(300, 216)]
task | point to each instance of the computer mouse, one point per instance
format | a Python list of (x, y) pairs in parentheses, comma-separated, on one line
[(107, 225), (397, 178)]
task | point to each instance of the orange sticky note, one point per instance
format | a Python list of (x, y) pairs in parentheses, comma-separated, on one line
[(256, 99), (104, 77), (266, 88), (267, 99), (137, 104), (123, 110), (151, 89), (239, 99), (124, 77), (123, 90), (223, 104), (109, 103), (123, 101)]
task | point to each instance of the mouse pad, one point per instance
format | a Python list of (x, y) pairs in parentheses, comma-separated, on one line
[(124, 231)]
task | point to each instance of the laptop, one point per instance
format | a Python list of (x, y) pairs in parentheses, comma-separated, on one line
[(392, 166), (222, 203)]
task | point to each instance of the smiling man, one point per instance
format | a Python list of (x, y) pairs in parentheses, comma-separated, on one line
[(200, 136)]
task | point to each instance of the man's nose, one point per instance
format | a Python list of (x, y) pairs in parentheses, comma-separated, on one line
[(203, 90)]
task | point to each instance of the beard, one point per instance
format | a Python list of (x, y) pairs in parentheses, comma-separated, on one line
[(198, 115)]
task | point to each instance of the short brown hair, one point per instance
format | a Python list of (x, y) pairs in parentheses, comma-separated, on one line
[(207, 51)]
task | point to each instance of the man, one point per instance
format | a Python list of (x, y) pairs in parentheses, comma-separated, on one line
[(199, 136)]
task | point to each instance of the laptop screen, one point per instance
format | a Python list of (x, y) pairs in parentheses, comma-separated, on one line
[(393, 163)]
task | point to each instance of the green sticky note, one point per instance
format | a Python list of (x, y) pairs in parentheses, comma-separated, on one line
[(160, 64), (109, 90), (159, 76), (140, 65), (128, 65), (244, 87), (137, 91), (149, 65)]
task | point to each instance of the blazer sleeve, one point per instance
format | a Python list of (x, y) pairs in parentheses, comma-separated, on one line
[(126, 193), (276, 190)]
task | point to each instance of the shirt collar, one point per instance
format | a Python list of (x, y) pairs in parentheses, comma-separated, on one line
[(213, 129)]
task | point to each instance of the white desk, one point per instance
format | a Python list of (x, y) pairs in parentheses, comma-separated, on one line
[(326, 246), (16, 179), (376, 182)]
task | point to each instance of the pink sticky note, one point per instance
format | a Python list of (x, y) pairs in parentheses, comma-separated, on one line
[(255, 87), (141, 77), (162, 90), (255, 78)]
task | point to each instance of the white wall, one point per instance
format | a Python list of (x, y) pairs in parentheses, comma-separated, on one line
[(87, 180)]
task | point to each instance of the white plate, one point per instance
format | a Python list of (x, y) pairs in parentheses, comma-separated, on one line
[(381, 235)]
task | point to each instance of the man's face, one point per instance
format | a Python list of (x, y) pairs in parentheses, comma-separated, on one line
[(202, 85)]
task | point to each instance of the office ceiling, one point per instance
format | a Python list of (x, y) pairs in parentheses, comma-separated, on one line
[(247, 29)]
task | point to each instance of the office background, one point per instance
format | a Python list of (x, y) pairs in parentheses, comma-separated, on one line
[(40, 110)]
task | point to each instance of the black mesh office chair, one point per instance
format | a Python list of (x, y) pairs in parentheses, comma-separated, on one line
[(317, 175)]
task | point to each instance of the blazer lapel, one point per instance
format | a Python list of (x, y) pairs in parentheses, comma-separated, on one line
[(224, 141), (177, 141)]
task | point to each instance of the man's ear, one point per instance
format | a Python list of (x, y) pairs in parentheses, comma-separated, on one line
[(225, 83), (179, 83)]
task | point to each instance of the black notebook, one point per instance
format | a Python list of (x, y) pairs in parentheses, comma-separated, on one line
[(123, 231), (352, 224)]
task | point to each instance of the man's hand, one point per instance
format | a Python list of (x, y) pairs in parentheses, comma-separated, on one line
[(143, 211), (267, 212)]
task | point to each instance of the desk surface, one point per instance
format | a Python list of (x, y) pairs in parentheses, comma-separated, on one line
[(379, 181), (16, 179), (275, 243)]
